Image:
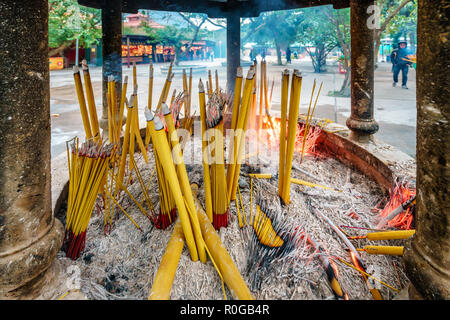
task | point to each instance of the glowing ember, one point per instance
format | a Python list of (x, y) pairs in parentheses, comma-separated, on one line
[(273, 136), (400, 194)]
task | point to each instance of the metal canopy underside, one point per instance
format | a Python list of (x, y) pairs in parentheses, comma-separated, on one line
[(216, 8)]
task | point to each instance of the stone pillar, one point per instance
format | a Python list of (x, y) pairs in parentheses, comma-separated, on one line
[(30, 237), (233, 49), (427, 259), (112, 53), (361, 121)]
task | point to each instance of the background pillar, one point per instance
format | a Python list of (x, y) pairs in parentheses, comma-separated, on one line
[(112, 53), (361, 121), (30, 237), (427, 260), (233, 49)]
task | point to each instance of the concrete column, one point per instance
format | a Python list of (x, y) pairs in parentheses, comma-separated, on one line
[(30, 237), (361, 120), (112, 53), (427, 259), (233, 48)]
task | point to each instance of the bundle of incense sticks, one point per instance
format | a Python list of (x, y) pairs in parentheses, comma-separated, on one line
[(330, 269), (240, 119), (114, 127), (214, 123), (162, 97), (205, 154), (88, 167), (178, 181), (287, 141), (309, 117), (95, 129), (187, 90), (118, 167), (82, 103), (272, 238)]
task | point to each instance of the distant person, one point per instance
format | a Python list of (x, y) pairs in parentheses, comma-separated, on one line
[(399, 63), (263, 54), (295, 55), (288, 55), (252, 55)]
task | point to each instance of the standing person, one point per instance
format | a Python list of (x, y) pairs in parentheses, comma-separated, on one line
[(288, 55), (399, 63), (252, 54)]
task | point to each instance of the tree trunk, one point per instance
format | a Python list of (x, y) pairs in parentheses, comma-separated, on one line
[(278, 48), (345, 88), (377, 39)]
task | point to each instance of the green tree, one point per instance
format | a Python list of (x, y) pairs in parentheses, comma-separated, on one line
[(68, 21), (176, 36), (318, 34), (341, 21), (277, 27)]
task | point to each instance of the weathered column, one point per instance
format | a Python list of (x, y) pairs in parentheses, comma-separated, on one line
[(361, 120), (233, 48), (427, 260), (112, 52), (30, 237)]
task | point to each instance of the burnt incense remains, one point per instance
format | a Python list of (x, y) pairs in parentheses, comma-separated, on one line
[(273, 238)]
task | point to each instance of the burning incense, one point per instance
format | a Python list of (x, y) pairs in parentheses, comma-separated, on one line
[(217, 81), (330, 271), (185, 94), (214, 122), (150, 86), (205, 160), (282, 153), (309, 118), (167, 205), (122, 103), (163, 150), (354, 255), (234, 116), (82, 102), (239, 136), (134, 74), (403, 207), (125, 144), (184, 181), (91, 102), (210, 83), (292, 127), (387, 235), (189, 100), (87, 171), (386, 250)]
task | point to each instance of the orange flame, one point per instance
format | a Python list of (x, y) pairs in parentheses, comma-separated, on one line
[(400, 194), (274, 135)]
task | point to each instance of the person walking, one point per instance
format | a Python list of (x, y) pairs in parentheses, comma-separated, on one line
[(288, 55), (399, 63)]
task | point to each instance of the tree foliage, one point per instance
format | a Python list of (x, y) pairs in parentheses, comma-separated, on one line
[(176, 35), (276, 27), (318, 33), (68, 21)]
